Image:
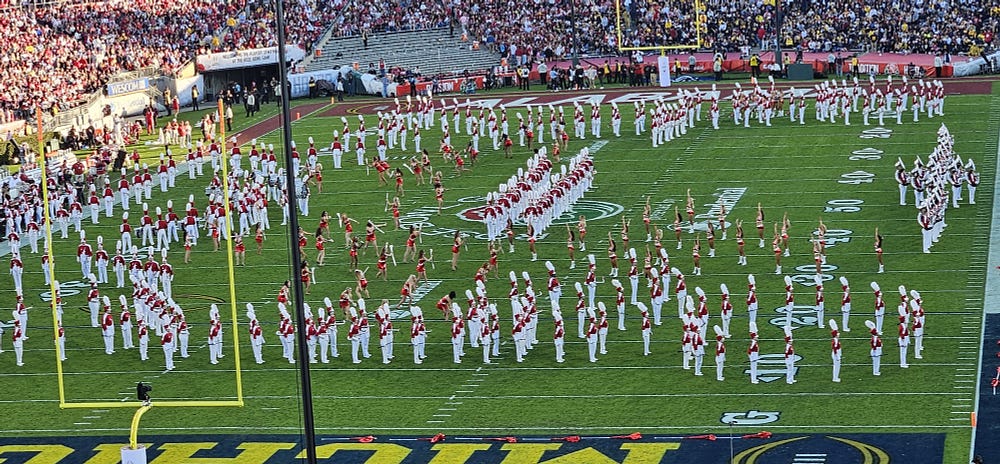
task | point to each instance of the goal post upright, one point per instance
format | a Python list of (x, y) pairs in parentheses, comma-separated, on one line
[(661, 48)]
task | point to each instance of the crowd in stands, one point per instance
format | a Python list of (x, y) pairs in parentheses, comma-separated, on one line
[(53, 54), (368, 17), (253, 27)]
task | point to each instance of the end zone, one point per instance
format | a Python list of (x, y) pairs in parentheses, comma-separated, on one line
[(633, 448)]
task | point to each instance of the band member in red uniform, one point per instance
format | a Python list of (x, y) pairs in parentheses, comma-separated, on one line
[(720, 353)]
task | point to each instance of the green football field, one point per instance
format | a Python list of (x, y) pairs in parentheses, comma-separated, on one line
[(842, 175)]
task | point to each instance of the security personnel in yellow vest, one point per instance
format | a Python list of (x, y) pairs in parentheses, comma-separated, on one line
[(755, 65)]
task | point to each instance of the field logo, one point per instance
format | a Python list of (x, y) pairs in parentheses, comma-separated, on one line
[(593, 210), (771, 367), (419, 293), (752, 417), (725, 197), (66, 289), (804, 449)]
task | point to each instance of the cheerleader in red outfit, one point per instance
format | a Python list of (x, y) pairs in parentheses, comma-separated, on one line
[(370, 239), (406, 291), (303, 241), (531, 242), (381, 268), (283, 292), (439, 194), (345, 302), (821, 239), (646, 210), (722, 220), (817, 258), (785, 225), (187, 248), (456, 246), (320, 247), (570, 245), (425, 161), (776, 247), (361, 287), (677, 226), (742, 260), (689, 208), (581, 229), (444, 305), (612, 255), (696, 254), (491, 265), (624, 233), (306, 276), (394, 207), (324, 222), (878, 251), (347, 224), (317, 177), (418, 170), (239, 251), (353, 253), (410, 251), (710, 237), (399, 182), (213, 230), (259, 238), (421, 266), (759, 222)]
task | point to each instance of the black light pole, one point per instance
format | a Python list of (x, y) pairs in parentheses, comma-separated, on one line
[(576, 35), (308, 422)]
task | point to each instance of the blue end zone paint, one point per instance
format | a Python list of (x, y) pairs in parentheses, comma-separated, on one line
[(988, 418), (282, 449)]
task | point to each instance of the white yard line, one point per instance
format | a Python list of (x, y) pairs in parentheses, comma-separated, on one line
[(293, 430)]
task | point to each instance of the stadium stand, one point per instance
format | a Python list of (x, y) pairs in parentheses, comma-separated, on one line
[(57, 53), (433, 51)]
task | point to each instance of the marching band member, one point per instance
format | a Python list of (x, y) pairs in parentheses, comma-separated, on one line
[(725, 310), (592, 335), (753, 352), (789, 357), (875, 345), (820, 301), (904, 337), (917, 312), (558, 335), (720, 352), (17, 337), (836, 352), (845, 303), (602, 327), (879, 307), (752, 298)]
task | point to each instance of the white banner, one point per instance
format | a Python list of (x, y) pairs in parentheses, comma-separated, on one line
[(663, 65), (246, 58)]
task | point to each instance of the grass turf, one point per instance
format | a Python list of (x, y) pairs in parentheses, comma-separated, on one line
[(787, 168)]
